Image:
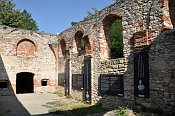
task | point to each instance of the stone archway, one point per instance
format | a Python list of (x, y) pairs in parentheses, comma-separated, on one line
[(24, 82)]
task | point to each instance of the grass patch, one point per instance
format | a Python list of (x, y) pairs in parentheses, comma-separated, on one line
[(59, 94), (70, 107), (75, 110), (88, 110)]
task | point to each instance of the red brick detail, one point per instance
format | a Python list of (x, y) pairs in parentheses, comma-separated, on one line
[(104, 31), (62, 47), (141, 24), (172, 11), (55, 49), (165, 3), (167, 18), (142, 38), (88, 46), (26, 48), (78, 39)]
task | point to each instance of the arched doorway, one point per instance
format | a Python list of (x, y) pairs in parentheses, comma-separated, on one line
[(24, 82)]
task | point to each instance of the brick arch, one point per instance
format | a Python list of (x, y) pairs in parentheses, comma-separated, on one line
[(62, 48), (171, 4), (104, 40), (77, 41), (87, 45), (26, 48)]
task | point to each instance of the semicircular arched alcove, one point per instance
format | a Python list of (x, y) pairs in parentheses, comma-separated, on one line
[(26, 48)]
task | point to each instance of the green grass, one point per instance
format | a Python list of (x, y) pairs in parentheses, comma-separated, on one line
[(74, 108), (59, 94)]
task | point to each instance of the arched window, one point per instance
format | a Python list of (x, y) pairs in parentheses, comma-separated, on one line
[(62, 47), (172, 11), (113, 32), (26, 48), (79, 42)]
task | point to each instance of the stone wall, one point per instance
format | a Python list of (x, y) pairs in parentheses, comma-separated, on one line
[(142, 20), (162, 64), (77, 68), (27, 51), (112, 67)]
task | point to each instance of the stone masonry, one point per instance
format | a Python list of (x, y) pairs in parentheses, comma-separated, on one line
[(58, 57), (143, 21), (27, 51)]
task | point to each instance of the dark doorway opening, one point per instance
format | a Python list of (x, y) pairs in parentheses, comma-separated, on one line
[(24, 82)]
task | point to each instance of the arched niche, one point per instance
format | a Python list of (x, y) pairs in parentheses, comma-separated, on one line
[(62, 48), (26, 48), (79, 42), (87, 45)]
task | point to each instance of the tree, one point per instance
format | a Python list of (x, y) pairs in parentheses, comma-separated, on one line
[(116, 39), (74, 23), (12, 17)]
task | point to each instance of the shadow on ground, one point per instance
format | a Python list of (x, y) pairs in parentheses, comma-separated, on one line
[(11, 106), (92, 110), (9, 103)]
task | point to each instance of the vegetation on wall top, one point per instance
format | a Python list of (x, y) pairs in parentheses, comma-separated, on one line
[(12, 17)]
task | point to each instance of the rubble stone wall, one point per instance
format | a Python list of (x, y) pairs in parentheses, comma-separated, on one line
[(143, 22), (145, 18), (27, 51)]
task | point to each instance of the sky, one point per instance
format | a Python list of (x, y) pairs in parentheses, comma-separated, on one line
[(55, 16)]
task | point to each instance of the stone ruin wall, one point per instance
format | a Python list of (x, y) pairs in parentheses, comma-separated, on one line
[(162, 65), (77, 68), (147, 17), (27, 51)]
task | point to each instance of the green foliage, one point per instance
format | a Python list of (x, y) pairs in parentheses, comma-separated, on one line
[(116, 39), (74, 23), (59, 94), (14, 17), (121, 111), (82, 45), (94, 10)]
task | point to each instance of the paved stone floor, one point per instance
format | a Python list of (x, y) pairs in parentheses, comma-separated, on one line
[(26, 104)]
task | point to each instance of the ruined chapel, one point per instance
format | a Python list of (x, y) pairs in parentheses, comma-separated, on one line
[(32, 62)]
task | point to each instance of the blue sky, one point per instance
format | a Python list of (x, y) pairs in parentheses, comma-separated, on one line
[(54, 16)]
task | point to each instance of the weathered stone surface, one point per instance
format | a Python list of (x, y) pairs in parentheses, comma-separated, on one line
[(46, 55), (27, 51)]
